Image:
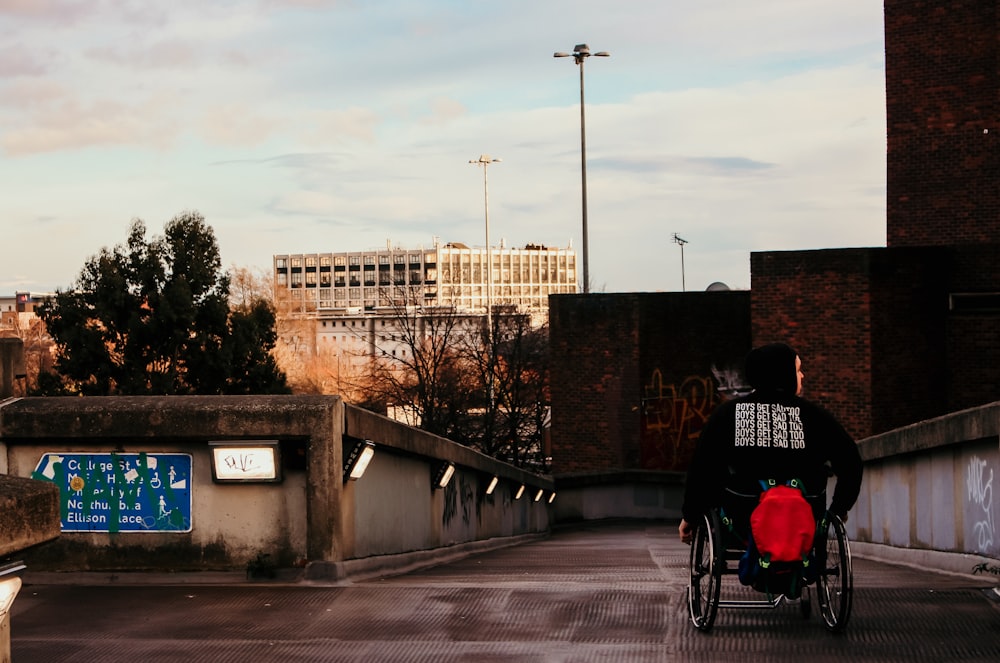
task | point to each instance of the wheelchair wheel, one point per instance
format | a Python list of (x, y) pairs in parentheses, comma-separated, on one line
[(707, 558), (835, 585)]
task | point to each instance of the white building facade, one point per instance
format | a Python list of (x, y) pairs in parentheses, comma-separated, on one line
[(450, 275), (358, 299)]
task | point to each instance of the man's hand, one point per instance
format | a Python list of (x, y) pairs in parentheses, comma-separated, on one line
[(686, 532)]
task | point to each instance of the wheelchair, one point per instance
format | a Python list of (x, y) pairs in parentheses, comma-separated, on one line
[(716, 551)]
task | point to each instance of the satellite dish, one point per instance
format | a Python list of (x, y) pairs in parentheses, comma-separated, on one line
[(718, 286)]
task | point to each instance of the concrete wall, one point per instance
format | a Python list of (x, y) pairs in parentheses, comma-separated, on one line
[(310, 517), (930, 487), (628, 494), (29, 514)]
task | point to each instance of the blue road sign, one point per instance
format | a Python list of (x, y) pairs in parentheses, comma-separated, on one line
[(120, 492)]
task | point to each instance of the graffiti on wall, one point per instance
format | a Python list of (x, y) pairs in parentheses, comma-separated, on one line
[(979, 491), (673, 415)]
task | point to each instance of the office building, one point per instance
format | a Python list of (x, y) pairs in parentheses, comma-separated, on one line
[(449, 275)]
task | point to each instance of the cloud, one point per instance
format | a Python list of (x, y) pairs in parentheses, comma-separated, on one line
[(71, 124), (722, 165), (444, 110), (18, 61), (60, 12), (235, 125), (336, 126), (170, 54)]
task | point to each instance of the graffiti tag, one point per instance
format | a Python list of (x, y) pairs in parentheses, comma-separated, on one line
[(980, 493)]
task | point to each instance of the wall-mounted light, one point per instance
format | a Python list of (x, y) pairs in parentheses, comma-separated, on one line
[(9, 587), (493, 485), (357, 460), (520, 491), (538, 495), (552, 497), (245, 461), (443, 474)]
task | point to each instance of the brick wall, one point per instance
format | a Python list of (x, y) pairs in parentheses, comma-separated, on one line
[(819, 302), (624, 364), (943, 114), (909, 301), (973, 349), (594, 380), (880, 346)]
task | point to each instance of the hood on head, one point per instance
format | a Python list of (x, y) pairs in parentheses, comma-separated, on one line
[(771, 367)]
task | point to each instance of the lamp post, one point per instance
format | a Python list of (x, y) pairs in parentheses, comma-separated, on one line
[(680, 241), (580, 53), (485, 160)]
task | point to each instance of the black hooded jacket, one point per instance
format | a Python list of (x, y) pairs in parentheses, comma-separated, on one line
[(771, 434)]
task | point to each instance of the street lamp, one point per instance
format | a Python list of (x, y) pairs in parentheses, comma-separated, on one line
[(580, 53), (485, 160), (680, 241)]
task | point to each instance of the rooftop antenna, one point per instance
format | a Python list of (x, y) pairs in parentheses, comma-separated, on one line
[(680, 241)]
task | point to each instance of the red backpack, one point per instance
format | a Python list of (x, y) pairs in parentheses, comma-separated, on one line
[(782, 529), (782, 524)]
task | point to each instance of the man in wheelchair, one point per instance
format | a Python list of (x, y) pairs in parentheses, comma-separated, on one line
[(769, 442)]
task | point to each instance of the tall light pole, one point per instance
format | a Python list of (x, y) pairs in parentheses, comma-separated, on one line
[(681, 242), (580, 53), (485, 160)]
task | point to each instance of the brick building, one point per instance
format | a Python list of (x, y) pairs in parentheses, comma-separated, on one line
[(912, 330), (889, 335)]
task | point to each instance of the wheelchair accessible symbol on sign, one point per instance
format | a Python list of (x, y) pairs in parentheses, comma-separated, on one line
[(120, 492)]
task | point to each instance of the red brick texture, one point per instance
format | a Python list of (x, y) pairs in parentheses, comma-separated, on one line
[(880, 345), (819, 302), (942, 64)]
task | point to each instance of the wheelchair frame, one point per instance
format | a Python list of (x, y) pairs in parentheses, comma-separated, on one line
[(710, 559)]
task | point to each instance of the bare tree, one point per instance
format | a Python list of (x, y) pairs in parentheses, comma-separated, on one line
[(433, 367), (512, 364), (417, 363)]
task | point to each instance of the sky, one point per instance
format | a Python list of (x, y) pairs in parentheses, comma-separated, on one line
[(311, 126)]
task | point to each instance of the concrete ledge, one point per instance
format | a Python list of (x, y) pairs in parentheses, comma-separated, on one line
[(975, 423), (29, 513), (321, 572), (929, 560)]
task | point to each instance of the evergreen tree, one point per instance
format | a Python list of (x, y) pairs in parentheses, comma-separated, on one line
[(153, 317)]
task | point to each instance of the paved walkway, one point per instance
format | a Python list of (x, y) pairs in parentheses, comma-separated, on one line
[(608, 592)]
